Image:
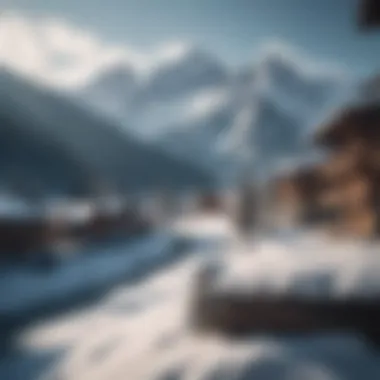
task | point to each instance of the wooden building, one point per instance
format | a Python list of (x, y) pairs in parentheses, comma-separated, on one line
[(343, 193)]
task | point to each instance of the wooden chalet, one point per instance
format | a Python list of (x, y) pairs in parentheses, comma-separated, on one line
[(342, 193)]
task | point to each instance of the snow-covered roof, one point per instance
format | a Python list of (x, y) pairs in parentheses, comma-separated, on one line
[(16, 208), (293, 164)]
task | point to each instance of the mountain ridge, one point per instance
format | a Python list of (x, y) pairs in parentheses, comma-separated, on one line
[(106, 152)]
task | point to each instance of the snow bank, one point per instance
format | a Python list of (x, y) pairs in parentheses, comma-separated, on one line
[(303, 265), (141, 332)]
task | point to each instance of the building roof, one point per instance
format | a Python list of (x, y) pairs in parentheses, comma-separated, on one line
[(369, 13), (362, 120)]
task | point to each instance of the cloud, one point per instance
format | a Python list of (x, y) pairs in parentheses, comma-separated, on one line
[(56, 53), (19, 46)]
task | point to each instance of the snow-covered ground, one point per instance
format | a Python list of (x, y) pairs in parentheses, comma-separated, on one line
[(141, 331)]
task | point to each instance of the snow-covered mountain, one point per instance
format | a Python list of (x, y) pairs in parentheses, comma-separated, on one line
[(195, 106), (180, 96), (284, 75), (162, 94), (190, 70)]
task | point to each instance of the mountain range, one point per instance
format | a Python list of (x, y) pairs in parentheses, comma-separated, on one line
[(96, 102), (218, 118)]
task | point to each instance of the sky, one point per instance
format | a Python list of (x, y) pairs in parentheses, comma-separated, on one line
[(234, 29)]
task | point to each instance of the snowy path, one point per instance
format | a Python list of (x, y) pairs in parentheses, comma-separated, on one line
[(140, 331)]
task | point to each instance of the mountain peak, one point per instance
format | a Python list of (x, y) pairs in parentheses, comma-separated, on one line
[(184, 58), (180, 69), (117, 76), (174, 52)]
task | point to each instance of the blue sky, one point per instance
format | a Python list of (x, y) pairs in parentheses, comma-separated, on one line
[(324, 29)]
